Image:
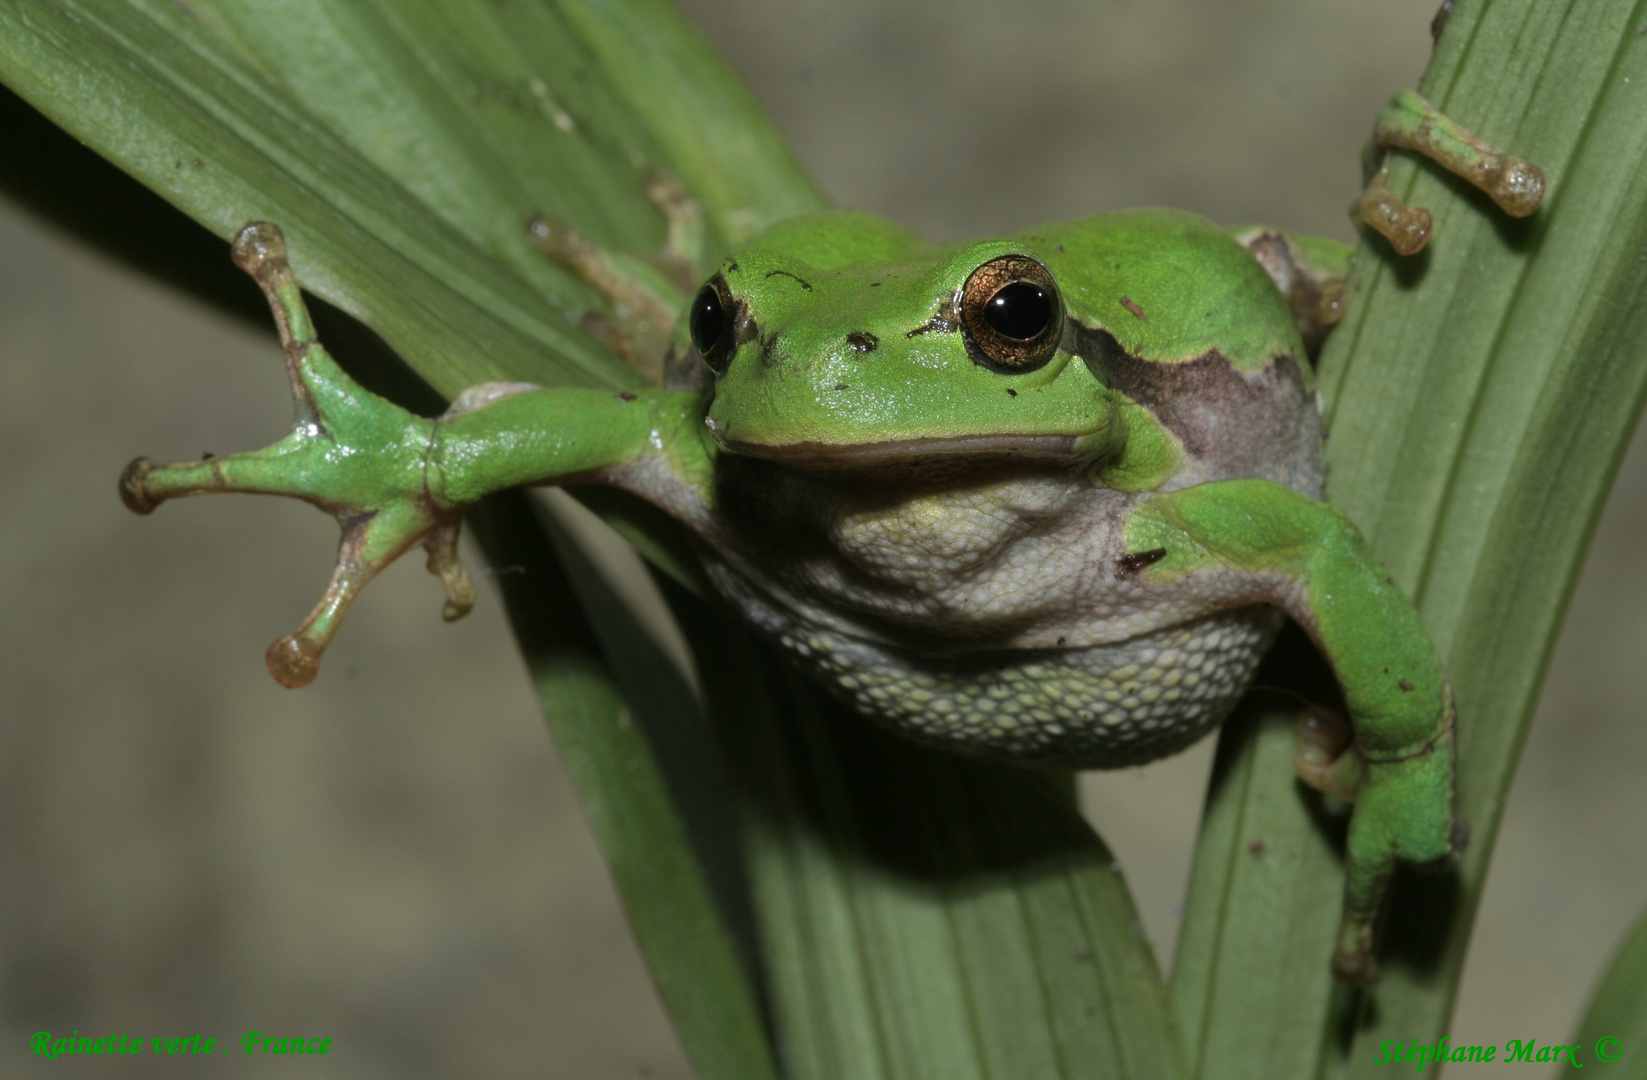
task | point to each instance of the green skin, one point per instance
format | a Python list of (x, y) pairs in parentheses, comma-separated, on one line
[(901, 514)]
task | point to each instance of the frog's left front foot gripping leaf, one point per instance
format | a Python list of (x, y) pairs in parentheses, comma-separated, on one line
[(1036, 497)]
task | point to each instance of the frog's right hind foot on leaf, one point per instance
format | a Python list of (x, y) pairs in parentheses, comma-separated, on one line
[(355, 455), (1409, 122)]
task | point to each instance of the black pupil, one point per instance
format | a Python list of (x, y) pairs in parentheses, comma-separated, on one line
[(708, 320), (1020, 310)]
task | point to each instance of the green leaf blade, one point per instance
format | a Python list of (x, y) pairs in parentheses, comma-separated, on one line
[(1252, 985), (927, 916), (610, 743), (180, 113), (1617, 1016), (1561, 390), (1480, 397), (714, 132)]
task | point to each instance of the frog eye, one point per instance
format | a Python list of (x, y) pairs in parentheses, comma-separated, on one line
[(710, 322), (1012, 314)]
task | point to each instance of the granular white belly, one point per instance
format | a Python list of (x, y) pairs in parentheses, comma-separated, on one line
[(1097, 707)]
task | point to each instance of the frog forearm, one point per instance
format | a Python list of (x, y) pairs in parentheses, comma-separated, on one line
[(1314, 563), (1307, 558), (559, 435)]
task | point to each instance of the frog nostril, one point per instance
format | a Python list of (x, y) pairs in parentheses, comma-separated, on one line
[(862, 341)]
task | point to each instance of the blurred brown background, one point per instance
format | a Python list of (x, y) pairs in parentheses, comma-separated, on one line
[(392, 858)]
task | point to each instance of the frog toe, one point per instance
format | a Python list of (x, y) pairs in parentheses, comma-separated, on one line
[(1407, 228), (277, 470), (1354, 964), (134, 490), (444, 563), (1325, 758), (370, 542), (1411, 123)]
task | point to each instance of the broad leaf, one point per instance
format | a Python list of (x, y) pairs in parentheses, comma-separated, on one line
[(1479, 398)]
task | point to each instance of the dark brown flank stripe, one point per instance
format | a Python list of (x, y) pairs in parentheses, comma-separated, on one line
[(1172, 390)]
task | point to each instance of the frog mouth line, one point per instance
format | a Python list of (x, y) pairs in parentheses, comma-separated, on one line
[(1037, 449)]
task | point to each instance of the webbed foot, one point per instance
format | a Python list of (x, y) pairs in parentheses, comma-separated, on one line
[(355, 455), (1409, 122)]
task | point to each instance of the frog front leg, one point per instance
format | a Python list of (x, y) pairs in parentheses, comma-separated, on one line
[(1259, 541), (394, 480)]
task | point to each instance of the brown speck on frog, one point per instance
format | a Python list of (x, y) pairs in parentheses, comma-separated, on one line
[(1134, 561)]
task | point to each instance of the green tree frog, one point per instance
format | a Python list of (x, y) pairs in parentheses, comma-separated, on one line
[(1042, 497)]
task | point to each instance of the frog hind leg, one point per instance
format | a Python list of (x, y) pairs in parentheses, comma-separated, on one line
[(350, 452), (1409, 122)]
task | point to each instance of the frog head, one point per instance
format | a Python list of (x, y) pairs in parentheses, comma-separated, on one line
[(843, 340)]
